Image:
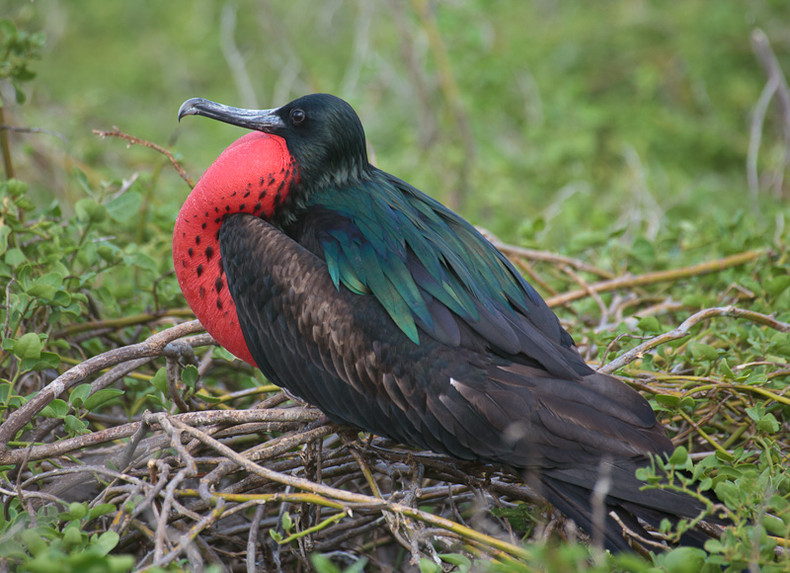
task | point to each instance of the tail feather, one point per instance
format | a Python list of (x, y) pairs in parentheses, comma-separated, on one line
[(571, 491), (575, 502), (693, 537)]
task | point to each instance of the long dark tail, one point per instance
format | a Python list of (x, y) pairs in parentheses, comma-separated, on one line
[(575, 491)]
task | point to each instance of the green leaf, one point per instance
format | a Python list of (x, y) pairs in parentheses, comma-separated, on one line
[(106, 542), (56, 409), (159, 380), (668, 400), (357, 567), (684, 560), (780, 505), (46, 286), (780, 344), (220, 353), (88, 210), (679, 456), (28, 346), (72, 536), (724, 368), (756, 412), (768, 423), (208, 398), (123, 208), (75, 426), (34, 542), (5, 231), (47, 360), (19, 95), (109, 253), (287, 521), (79, 394), (429, 566), (321, 563), (82, 179), (777, 285), (120, 563), (101, 509), (714, 546), (15, 257), (702, 351), (457, 559), (16, 188), (189, 375), (76, 510), (5, 391), (100, 397), (649, 324), (62, 298), (727, 492), (775, 525), (143, 261)]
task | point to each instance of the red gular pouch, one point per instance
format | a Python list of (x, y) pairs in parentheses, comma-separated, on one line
[(253, 175)]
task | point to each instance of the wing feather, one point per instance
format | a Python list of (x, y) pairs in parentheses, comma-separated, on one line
[(429, 269)]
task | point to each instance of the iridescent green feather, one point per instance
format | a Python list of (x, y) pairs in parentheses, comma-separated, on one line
[(391, 229)]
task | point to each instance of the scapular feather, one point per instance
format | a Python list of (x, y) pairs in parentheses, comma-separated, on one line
[(387, 238)]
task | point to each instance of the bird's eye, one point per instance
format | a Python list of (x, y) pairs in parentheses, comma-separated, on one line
[(297, 116)]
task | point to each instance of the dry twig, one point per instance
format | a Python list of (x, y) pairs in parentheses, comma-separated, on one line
[(684, 330), (115, 132), (658, 276)]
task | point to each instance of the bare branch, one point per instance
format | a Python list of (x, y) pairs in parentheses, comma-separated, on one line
[(684, 330), (115, 132), (151, 347), (658, 276), (205, 418)]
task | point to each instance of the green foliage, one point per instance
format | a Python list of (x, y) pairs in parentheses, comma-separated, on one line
[(755, 492), (573, 558), (17, 50), (641, 115), (59, 271), (324, 564), (61, 541)]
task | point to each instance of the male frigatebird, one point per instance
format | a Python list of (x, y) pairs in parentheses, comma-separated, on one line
[(391, 313)]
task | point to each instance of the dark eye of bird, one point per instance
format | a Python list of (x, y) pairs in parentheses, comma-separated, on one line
[(297, 116)]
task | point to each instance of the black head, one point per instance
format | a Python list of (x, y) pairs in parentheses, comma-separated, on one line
[(323, 133)]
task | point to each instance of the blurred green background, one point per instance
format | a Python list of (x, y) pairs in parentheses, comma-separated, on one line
[(531, 118)]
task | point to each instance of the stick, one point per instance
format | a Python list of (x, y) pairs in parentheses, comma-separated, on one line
[(683, 330), (658, 276), (153, 346), (137, 141)]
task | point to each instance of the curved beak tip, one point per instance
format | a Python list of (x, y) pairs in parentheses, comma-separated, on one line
[(188, 108)]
